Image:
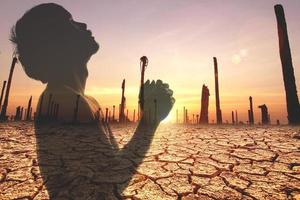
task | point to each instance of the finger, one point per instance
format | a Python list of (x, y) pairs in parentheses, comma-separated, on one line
[(173, 100), (159, 82), (166, 85), (169, 91), (147, 82), (163, 92), (152, 85)]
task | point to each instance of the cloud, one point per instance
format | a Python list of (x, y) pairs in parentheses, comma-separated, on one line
[(238, 57)]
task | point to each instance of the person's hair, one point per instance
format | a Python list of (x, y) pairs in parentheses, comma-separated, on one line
[(39, 40)]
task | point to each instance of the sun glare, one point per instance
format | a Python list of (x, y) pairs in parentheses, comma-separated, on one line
[(168, 119)]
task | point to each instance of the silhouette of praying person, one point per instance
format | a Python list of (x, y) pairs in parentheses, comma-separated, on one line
[(55, 49), (78, 161)]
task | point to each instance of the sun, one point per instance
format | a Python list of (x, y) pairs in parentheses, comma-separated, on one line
[(236, 59)]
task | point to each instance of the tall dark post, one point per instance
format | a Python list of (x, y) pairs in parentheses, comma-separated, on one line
[(18, 113), (232, 117), (186, 116), (25, 114), (106, 115), (119, 113), (184, 120), (113, 117), (49, 105), (236, 117), (293, 107), (97, 115), (251, 114), (218, 109), (41, 106), (122, 105), (28, 108), (277, 122), (52, 107), (133, 120), (56, 107), (109, 116), (143, 65), (127, 119), (76, 109), (5, 103), (30, 114), (2, 92), (264, 114), (204, 105), (21, 114), (155, 111)]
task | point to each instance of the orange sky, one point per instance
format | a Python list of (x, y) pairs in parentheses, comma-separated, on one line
[(180, 38)]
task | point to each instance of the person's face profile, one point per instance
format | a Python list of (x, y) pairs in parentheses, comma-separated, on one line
[(79, 34), (73, 34), (49, 41)]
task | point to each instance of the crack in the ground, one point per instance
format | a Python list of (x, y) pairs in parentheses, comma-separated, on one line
[(230, 162)]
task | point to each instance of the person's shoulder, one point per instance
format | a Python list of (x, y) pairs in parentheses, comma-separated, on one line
[(71, 105), (92, 100)]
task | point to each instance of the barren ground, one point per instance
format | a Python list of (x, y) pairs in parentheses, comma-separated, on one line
[(183, 162)]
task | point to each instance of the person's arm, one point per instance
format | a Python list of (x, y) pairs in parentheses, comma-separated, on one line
[(155, 93), (140, 142)]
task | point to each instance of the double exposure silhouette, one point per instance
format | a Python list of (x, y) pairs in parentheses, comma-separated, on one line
[(82, 160)]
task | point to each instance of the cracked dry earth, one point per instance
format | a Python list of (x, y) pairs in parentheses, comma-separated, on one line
[(183, 162)]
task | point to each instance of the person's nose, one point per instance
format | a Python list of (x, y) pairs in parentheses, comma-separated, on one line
[(81, 25)]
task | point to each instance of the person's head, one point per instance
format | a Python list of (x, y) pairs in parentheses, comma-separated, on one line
[(51, 45)]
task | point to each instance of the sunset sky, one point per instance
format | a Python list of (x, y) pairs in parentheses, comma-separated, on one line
[(180, 38)]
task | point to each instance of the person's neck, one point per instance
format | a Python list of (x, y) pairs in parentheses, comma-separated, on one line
[(75, 81)]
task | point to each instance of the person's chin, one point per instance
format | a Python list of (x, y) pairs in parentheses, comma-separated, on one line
[(94, 46)]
